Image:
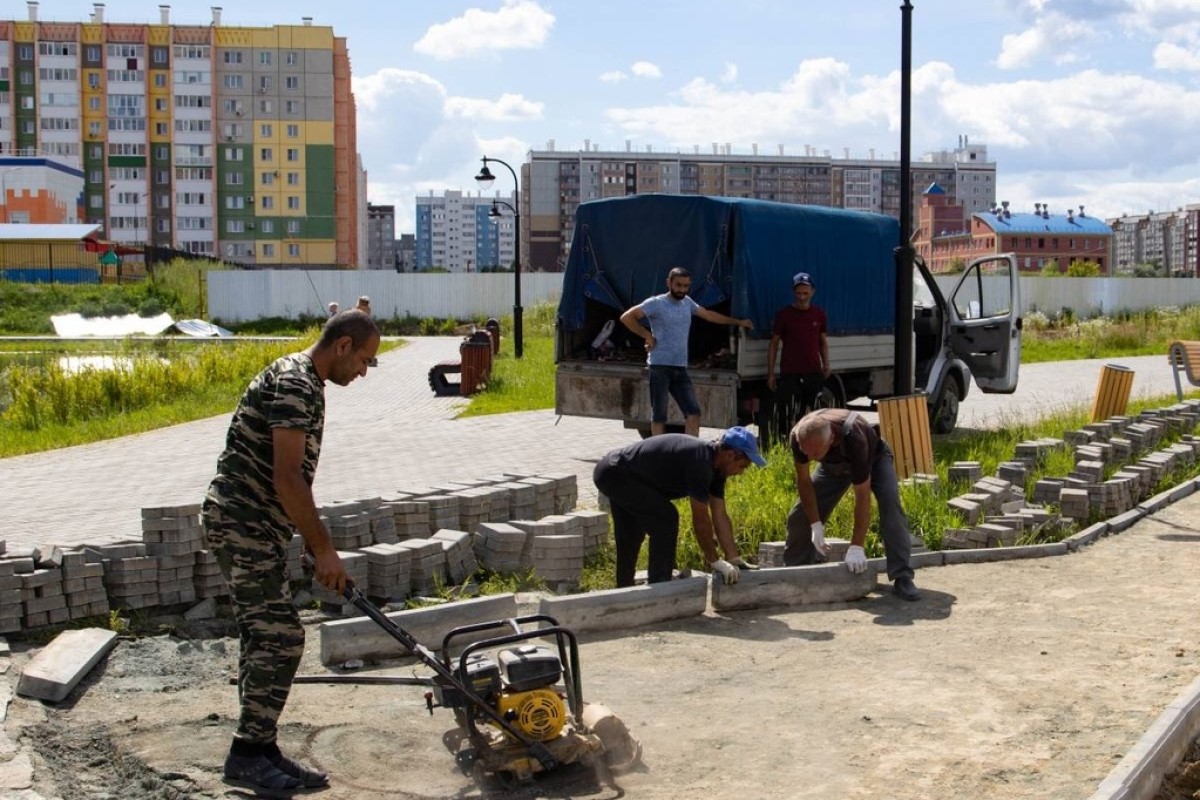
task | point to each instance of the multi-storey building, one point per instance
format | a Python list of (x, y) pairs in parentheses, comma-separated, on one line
[(1166, 242), (406, 252), (381, 237), (230, 141), (554, 183), (460, 232), (948, 236), (40, 191)]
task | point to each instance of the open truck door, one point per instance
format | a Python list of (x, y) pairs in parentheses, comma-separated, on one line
[(985, 322)]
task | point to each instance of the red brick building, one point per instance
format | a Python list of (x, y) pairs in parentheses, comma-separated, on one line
[(948, 240)]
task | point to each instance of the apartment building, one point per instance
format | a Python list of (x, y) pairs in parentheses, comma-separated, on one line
[(381, 237), (464, 232), (235, 142), (554, 183), (1165, 243)]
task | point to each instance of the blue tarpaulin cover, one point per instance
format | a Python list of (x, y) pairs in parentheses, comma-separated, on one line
[(743, 251)]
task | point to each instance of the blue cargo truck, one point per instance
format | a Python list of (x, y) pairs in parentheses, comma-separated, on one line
[(742, 255)]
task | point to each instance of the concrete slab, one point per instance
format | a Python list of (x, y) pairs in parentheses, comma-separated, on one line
[(360, 638), (633, 607), (1156, 503), (1139, 774), (1182, 490), (928, 558), (792, 586), (1126, 520), (990, 554), (54, 672), (1086, 536)]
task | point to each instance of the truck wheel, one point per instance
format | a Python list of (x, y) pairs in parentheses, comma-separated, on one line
[(943, 412), (831, 395)]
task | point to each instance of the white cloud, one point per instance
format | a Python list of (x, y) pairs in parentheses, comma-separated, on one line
[(730, 74), (1172, 57), (1053, 36), (613, 76), (508, 108), (517, 25), (645, 69)]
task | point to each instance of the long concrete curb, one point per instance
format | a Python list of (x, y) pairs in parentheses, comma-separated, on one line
[(789, 586), (1139, 775), (625, 609)]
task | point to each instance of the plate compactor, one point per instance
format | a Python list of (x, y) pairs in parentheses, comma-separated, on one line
[(516, 694)]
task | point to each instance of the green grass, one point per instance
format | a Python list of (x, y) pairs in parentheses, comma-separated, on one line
[(1138, 333), (525, 384)]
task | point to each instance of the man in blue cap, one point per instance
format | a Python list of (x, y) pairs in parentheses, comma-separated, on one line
[(642, 479), (802, 328)]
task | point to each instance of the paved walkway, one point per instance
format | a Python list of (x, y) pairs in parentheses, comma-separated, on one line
[(387, 433)]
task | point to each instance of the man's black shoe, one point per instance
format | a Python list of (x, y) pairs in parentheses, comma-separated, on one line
[(905, 588)]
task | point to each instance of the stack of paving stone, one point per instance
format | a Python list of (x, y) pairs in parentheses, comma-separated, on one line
[(461, 563), (522, 498), (543, 502), (1114, 496), (499, 547), (558, 559), (410, 516), (1078, 437), (969, 506), (566, 491), (443, 511), (83, 585), (770, 554), (349, 530), (475, 507), (1015, 472), (356, 567), (130, 576), (1046, 490), (383, 526), (1074, 503), (499, 502), (11, 611), (964, 472), (389, 570), (209, 582), (295, 553), (173, 535), (1088, 471), (964, 539), (1034, 451), (594, 527), (42, 598), (428, 565)]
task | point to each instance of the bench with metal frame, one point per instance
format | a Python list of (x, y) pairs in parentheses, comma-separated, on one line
[(1184, 357)]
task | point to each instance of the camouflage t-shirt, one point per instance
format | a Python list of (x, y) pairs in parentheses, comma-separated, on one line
[(287, 394)]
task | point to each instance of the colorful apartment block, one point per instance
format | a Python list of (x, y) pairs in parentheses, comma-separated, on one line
[(235, 142)]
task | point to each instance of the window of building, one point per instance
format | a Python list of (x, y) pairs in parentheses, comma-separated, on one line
[(235, 202), (160, 104), (25, 52), (234, 179), (268, 226), (293, 178), (268, 249), (233, 154), (291, 82), (161, 129), (96, 201), (92, 53), (293, 131), (96, 151), (233, 56), (291, 57), (268, 179), (265, 106), (265, 130), (293, 203), (266, 154), (162, 176), (294, 250), (291, 107), (293, 226), (233, 81), (162, 225), (264, 82), (264, 57), (235, 226), (160, 80)]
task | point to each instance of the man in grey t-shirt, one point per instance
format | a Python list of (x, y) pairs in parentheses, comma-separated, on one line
[(669, 317)]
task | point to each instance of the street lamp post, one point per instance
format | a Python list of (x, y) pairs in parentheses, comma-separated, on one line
[(485, 179)]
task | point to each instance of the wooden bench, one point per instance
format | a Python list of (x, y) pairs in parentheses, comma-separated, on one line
[(1184, 357), (442, 387)]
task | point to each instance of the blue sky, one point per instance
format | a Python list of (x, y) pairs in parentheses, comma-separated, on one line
[(1093, 102)]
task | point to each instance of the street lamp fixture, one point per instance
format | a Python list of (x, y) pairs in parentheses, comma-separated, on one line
[(485, 178)]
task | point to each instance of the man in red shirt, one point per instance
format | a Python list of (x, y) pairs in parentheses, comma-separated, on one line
[(802, 328)]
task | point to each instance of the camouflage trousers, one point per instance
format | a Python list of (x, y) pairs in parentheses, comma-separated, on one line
[(254, 563)]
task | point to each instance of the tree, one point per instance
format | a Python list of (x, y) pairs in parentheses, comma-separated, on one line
[(1083, 269), (956, 266), (1051, 270)]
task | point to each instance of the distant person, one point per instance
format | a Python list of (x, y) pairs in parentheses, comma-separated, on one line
[(851, 454), (364, 305), (640, 481), (802, 329), (260, 497), (333, 309), (670, 318)]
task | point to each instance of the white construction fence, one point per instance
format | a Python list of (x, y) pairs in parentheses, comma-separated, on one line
[(241, 296)]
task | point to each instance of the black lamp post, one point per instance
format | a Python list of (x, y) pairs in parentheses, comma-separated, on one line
[(485, 179)]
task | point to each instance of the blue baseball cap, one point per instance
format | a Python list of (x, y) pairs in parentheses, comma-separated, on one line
[(744, 442), (801, 279)]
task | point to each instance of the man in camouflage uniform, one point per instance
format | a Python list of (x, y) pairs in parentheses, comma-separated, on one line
[(261, 495)]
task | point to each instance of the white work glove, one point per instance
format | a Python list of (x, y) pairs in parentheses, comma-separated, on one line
[(727, 571), (742, 563), (856, 560), (818, 538)]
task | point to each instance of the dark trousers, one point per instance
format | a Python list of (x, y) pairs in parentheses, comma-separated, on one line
[(795, 395), (829, 488), (637, 510)]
